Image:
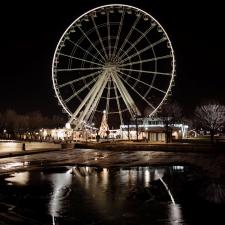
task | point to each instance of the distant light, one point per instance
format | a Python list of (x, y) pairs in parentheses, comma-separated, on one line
[(68, 126), (45, 133)]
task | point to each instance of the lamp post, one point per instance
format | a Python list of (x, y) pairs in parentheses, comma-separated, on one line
[(136, 123), (128, 128)]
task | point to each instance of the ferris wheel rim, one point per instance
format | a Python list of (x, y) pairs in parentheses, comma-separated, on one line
[(55, 82)]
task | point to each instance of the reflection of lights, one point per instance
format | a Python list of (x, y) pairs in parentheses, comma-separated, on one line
[(87, 169), (147, 177), (105, 177), (75, 172), (159, 173), (19, 178), (175, 213), (14, 165), (61, 190), (99, 156), (165, 185), (128, 177), (168, 190), (179, 168)]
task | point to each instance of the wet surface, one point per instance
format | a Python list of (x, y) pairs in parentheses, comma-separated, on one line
[(85, 186), (108, 159), (94, 195)]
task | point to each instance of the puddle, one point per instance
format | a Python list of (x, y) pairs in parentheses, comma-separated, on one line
[(136, 195)]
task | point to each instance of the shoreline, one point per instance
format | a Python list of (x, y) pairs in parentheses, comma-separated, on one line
[(122, 146), (162, 147), (52, 158)]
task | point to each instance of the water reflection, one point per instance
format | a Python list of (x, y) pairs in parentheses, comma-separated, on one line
[(19, 178), (61, 186), (175, 214), (93, 195), (166, 186), (14, 165), (110, 189)]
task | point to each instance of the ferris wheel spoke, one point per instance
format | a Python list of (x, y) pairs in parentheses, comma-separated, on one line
[(92, 113), (108, 96), (80, 90), (118, 34), (144, 49), (129, 102), (91, 43), (108, 32), (78, 69), (146, 71), (81, 59), (145, 60), (128, 57), (99, 37), (149, 85), (137, 93), (143, 35), (118, 105), (78, 79), (128, 36), (85, 50)]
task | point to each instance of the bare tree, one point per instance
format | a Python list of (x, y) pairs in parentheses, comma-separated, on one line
[(170, 113), (211, 117), (17, 124), (10, 121)]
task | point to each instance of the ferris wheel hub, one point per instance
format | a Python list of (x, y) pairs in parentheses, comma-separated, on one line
[(110, 67)]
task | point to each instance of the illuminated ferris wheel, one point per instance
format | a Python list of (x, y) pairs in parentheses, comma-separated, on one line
[(117, 59)]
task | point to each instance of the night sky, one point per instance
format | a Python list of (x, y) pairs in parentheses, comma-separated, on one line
[(29, 35)]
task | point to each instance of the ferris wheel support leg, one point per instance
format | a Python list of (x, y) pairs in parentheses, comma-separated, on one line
[(108, 96), (118, 105), (96, 86), (92, 102), (133, 109), (123, 96), (96, 101)]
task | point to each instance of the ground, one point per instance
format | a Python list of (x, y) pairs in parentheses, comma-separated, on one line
[(212, 162)]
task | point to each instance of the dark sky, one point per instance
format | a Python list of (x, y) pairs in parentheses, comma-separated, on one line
[(29, 35)]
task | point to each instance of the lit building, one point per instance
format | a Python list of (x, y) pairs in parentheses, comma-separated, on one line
[(152, 129)]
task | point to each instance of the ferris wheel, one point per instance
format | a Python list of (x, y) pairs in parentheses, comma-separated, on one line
[(114, 58)]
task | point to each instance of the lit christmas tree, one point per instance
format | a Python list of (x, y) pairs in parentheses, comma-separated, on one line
[(104, 128)]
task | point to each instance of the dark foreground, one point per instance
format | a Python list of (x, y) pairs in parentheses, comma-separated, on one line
[(86, 186)]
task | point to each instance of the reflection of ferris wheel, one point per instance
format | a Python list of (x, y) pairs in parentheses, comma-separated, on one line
[(116, 58)]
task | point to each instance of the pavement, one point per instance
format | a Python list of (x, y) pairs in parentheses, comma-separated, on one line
[(25, 152), (13, 148)]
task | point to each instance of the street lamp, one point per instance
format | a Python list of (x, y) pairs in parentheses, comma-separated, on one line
[(136, 123)]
